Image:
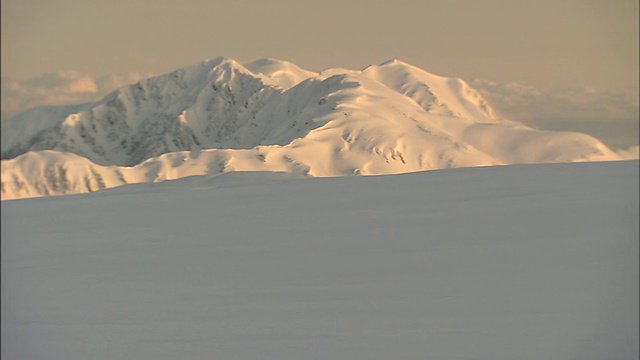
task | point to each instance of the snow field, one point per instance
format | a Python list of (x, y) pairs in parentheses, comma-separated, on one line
[(515, 262)]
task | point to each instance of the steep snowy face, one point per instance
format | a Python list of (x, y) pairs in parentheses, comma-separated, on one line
[(34, 129), (221, 104), (216, 104), (435, 94), (199, 106), (270, 115)]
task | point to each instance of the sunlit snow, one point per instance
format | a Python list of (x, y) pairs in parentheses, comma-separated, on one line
[(218, 116)]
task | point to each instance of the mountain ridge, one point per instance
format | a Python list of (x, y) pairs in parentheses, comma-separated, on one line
[(270, 115)]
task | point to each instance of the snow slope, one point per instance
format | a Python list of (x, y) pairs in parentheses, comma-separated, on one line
[(515, 262), (270, 115)]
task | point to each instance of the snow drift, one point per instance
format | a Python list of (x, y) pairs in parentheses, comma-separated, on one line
[(512, 262)]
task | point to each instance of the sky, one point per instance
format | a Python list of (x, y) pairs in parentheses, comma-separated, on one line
[(557, 64)]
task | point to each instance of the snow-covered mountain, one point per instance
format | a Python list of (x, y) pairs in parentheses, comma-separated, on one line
[(270, 115)]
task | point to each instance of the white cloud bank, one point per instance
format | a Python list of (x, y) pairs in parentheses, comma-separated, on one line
[(610, 117), (60, 88)]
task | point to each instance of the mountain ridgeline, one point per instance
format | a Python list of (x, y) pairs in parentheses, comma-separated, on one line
[(269, 115)]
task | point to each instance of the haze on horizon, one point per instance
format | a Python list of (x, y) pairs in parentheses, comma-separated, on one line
[(558, 65)]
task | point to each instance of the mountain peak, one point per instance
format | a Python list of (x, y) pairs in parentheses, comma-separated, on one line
[(393, 62), (404, 66), (266, 62), (281, 73), (218, 61)]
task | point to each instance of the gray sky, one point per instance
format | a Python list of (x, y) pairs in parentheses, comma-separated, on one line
[(547, 44)]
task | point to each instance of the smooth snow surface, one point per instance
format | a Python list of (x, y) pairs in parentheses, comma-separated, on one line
[(516, 262), (219, 116)]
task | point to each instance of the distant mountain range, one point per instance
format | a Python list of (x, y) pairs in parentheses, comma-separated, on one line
[(270, 115)]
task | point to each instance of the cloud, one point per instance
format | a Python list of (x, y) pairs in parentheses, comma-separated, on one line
[(631, 153), (610, 117), (64, 81), (528, 102), (59, 88)]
